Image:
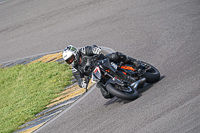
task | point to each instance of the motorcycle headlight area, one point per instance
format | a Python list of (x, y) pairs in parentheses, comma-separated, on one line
[(96, 75)]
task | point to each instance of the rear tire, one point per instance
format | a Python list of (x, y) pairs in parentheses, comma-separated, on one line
[(152, 75)]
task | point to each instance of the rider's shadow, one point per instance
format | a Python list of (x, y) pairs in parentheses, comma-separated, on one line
[(146, 87)]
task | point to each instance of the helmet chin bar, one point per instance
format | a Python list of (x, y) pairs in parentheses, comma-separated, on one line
[(70, 59)]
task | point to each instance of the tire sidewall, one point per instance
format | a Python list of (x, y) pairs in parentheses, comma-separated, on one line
[(126, 96), (152, 77)]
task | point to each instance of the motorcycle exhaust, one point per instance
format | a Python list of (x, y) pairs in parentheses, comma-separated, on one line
[(137, 83)]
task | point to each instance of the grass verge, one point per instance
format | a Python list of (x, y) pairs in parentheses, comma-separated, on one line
[(26, 90)]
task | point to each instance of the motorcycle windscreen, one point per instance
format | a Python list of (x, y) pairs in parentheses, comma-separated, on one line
[(96, 75)]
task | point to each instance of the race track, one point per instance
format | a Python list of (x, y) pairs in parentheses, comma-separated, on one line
[(165, 33)]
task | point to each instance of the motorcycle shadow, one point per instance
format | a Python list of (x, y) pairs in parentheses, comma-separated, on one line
[(146, 87)]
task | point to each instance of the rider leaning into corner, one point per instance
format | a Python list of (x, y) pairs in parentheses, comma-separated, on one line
[(81, 63)]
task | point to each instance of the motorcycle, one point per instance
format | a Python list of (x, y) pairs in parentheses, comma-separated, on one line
[(123, 80)]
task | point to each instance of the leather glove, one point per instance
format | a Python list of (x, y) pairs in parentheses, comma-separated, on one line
[(82, 83)]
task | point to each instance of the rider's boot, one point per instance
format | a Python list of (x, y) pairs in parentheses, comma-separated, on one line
[(126, 59), (133, 61)]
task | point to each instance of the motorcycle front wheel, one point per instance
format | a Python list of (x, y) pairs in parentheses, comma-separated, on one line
[(123, 95)]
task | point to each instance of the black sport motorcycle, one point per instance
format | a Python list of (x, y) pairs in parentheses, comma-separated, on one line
[(123, 80)]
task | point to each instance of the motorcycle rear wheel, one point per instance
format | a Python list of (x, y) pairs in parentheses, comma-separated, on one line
[(152, 75)]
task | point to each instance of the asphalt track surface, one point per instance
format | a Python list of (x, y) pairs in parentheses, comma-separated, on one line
[(165, 33)]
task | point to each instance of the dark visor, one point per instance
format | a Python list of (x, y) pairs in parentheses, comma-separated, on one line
[(70, 59)]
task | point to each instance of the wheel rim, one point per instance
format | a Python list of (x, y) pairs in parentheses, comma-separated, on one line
[(151, 70)]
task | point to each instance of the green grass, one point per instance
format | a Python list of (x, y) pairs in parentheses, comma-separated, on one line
[(25, 90)]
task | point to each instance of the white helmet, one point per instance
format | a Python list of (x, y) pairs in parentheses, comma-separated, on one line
[(69, 54)]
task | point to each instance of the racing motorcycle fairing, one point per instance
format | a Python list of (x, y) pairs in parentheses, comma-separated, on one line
[(128, 68), (96, 75), (106, 64)]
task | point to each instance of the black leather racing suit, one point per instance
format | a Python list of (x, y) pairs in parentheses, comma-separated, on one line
[(83, 64)]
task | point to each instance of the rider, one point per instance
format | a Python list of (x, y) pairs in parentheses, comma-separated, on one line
[(81, 63)]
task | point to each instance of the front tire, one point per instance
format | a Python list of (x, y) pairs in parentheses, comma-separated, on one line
[(106, 94), (123, 95)]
